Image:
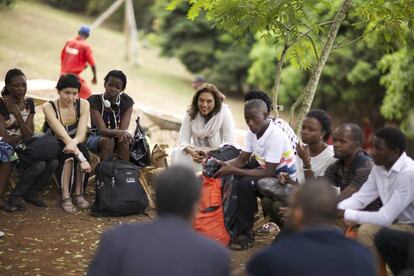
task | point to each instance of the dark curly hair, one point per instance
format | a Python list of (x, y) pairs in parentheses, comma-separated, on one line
[(7, 80), (261, 95), (205, 88), (116, 74), (393, 137), (323, 119)]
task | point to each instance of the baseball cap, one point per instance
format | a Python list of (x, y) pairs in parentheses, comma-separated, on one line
[(85, 30)]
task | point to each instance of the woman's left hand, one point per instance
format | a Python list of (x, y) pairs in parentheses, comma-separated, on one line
[(85, 166)]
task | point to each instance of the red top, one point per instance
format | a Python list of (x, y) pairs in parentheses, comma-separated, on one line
[(75, 55)]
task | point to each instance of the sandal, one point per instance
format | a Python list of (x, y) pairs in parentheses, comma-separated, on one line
[(80, 201), (268, 229), (68, 206), (242, 242)]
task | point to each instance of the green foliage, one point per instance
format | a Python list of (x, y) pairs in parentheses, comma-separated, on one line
[(203, 49), (399, 82), (6, 3)]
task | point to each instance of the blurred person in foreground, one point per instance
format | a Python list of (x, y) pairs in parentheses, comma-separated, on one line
[(317, 247), (168, 245)]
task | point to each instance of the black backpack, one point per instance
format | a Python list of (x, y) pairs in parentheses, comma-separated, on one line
[(118, 189)]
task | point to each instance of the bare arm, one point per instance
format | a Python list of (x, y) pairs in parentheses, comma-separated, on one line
[(94, 80), (347, 192)]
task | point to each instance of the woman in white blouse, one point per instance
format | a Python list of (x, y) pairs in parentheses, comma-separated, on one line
[(208, 124)]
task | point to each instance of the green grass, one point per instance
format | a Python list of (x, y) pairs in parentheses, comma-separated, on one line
[(33, 34)]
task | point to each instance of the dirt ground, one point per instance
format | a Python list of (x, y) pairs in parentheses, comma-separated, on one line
[(48, 241)]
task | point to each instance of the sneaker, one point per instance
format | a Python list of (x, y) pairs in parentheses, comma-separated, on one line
[(1, 234), (14, 204)]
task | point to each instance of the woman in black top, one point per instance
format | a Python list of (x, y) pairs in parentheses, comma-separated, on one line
[(16, 124), (110, 117), (67, 118)]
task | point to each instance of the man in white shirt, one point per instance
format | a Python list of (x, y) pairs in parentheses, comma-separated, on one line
[(271, 152), (391, 179)]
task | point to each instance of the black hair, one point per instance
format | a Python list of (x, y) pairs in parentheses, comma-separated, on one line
[(7, 80), (323, 119), (356, 131), (317, 199), (68, 81), (116, 74), (177, 189), (393, 137), (255, 103), (259, 94), (205, 88)]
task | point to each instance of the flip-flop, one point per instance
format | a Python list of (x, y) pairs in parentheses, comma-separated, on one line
[(267, 229), (241, 243)]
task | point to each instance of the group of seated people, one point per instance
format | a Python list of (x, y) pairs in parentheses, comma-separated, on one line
[(66, 118), (353, 189)]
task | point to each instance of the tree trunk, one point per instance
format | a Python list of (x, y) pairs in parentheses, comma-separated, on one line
[(316, 72), (276, 87)]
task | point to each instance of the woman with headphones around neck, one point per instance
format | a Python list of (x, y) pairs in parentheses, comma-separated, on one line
[(110, 116)]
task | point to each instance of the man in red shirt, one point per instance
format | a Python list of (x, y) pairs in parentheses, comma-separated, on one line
[(74, 58)]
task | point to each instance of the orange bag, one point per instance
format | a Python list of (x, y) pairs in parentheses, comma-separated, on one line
[(210, 218)]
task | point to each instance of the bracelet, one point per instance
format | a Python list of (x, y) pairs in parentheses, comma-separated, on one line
[(307, 169), (80, 157)]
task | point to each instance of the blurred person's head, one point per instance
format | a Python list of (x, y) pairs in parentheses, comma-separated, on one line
[(177, 191), (347, 140), (313, 204), (206, 101), (255, 114), (259, 95), (197, 82), (84, 31), (114, 83), (15, 84), (316, 127), (68, 87), (388, 145)]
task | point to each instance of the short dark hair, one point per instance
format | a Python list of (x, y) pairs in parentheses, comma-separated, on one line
[(323, 119), (205, 88), (356, 132), (393, 137), (255, 103), (317, 199), (177, 189), (116, 74), (68, 81), (7, 80), (261, 95)]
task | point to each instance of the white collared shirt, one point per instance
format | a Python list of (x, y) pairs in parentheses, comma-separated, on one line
[(395, 189)]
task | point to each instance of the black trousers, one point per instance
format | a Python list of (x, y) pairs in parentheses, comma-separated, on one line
[(397, 249), (33, 178)]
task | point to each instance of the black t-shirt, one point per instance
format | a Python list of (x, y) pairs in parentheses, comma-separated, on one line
[(112, 117)]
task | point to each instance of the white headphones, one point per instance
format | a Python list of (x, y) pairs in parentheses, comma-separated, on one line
[(107, 103)]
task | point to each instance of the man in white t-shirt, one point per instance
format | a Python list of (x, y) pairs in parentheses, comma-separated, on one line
[(270, 148)]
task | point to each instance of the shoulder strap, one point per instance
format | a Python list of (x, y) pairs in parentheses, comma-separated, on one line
[(78, 103), (52, 103)]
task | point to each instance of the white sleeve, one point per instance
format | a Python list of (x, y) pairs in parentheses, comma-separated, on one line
[(248, 145), (366, 194), (274, 147), (402, 196), (184, 137), (228, 128)]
